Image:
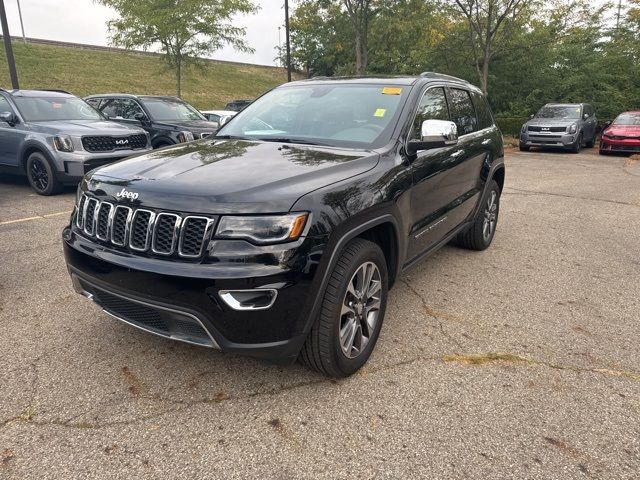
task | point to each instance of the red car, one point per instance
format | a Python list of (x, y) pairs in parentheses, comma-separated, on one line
[(623, 135)]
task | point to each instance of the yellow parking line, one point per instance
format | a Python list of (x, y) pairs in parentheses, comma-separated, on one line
[(38, 217)]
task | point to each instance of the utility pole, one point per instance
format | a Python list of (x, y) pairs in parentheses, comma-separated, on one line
[(279, 47), (286, 26), (24, 38), (618, 16), (7, 46)]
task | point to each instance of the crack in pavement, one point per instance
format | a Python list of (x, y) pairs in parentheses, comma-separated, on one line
[(519, 191), (183, 405), (438, 316)]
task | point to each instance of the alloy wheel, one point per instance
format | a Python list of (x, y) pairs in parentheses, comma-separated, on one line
[(360, 309), (39, 174), (490, 216)]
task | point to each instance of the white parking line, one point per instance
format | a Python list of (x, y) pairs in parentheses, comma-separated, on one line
[(38, 217)]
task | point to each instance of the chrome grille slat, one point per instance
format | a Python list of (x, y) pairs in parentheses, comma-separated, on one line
[(90, 209), (167, 224), (103, 221), (142, 230), (141, 224), (193, 235), (120, 225)]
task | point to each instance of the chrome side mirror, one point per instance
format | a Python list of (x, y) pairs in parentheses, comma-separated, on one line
[(434, 134), (585, 116), (8, 117)]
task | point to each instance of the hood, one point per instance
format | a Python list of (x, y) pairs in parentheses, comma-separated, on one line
[(552, 122), (228, 176), (85, 127), (197, 126), (623, 130)]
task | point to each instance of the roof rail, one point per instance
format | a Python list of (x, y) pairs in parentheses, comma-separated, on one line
[(52, 90), (435, 74)]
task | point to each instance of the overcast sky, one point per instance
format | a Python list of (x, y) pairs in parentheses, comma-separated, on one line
[(83, 21)]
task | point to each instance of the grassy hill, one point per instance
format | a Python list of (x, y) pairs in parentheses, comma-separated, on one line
[(83, 72)]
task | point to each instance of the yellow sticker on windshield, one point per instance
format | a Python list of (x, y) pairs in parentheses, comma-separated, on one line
[(381, 112), (392, 91)]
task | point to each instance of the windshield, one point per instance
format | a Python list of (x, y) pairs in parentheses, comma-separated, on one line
[(49, 109), (163, 109), (628, 119), (564, 112), (356, 116)]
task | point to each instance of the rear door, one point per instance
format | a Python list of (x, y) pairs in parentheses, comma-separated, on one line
[(10, 137)]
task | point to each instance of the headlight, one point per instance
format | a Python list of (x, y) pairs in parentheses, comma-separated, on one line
[(63, 143), (573, 128), (185, 136), (263, 229)]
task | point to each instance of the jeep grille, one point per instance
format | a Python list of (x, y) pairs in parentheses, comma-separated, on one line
[(142, 230), (109, 143)]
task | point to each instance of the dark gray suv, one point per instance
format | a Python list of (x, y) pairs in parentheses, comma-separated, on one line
[(564, 125), (55, 138)]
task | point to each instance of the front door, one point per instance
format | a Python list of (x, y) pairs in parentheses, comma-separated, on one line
[(10, 137)]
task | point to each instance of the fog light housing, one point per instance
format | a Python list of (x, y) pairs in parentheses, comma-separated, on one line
[(248, 300)]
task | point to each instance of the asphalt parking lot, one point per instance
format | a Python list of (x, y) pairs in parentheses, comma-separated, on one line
[(518, 362)]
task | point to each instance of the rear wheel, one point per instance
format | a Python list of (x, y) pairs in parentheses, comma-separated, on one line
[(480, 235), (347, 328), (41, 175)]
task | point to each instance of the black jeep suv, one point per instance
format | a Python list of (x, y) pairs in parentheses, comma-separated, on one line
[(169, 120), (280, 237)]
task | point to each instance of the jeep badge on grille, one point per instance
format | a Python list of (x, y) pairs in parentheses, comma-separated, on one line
[(128, 195)]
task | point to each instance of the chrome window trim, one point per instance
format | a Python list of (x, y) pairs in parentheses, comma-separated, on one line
[(208, 232), (149, 229)]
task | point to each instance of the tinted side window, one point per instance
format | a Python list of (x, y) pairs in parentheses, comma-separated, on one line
[(433, 106), (462, 112), (485, 120), (121, 108), (94, 102), (4, 105)]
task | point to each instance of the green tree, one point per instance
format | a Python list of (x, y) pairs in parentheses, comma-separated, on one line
[(183, 29), (490, 23)]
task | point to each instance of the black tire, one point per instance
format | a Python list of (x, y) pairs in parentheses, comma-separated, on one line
[(524, 148), (474, 238), (575, 148), (162, 145), (322, 351), (591, 143), (41, 176)]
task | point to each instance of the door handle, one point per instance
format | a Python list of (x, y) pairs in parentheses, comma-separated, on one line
[(457, 154), (486, 141)]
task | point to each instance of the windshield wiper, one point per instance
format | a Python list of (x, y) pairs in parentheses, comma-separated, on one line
[(292, 140), (228, 137)]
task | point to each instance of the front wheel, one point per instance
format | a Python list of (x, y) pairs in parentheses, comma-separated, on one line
[(348, 325), (41, 175), (480, 235), (575, 148)]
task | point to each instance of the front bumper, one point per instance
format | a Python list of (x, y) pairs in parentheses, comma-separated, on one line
[(181, 300), (627, 145), (554, 139), (72, 166)]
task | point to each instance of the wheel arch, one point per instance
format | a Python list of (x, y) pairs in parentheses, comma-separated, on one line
[(32, 147)]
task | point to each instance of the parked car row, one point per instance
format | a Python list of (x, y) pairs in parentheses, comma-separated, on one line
[(54, 137), (573, 125)]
